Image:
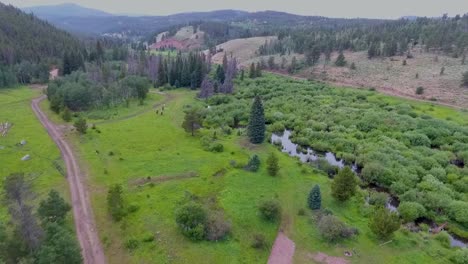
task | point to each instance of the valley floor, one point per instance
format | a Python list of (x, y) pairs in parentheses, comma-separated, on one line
[(159, 165)]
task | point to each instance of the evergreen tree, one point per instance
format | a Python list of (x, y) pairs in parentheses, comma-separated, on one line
[(315, 198), (292, 68), (242, 74), (220, 74), (340, 60), (206, 88), (344, 184), (66, 115), (465, 79), (99, 52), (384, 223), (252, 71), (256, 126), (272, 164), (259, 68), (254, 164), (60, 246), (54, 209), (225, 63), (193, 120)]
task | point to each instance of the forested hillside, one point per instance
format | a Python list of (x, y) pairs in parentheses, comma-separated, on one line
[(384, 38), (29, 47), (25, 37)]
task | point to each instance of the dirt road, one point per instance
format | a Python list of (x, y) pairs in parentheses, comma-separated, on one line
[(282, 251), (91, 248)]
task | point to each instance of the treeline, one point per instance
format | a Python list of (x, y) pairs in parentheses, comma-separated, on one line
[(387, 38), (102, 87), (41, 237), (222, 80), (182, 70)]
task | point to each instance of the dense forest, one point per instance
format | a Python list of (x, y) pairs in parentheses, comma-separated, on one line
[(384, 38), (29, 47)]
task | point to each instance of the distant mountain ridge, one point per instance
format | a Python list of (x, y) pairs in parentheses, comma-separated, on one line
[(65, 10)]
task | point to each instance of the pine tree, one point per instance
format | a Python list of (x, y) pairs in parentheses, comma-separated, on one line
[(340, 60), (465, 79), (225, 63), (344, 184), (193, 120), (259, 70), (242, 74), (54, 209), (252, 71), (220, 74), (315, 198), (272, 164), (256, 126), (206, 88), (66, 115)]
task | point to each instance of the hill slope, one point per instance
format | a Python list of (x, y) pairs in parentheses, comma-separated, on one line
[(25, 37), (64, 10)]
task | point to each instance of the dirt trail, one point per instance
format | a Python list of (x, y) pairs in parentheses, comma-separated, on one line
[(385, 90), (282, 251), (91, 248)]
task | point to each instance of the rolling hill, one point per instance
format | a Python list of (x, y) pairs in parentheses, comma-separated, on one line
[(64, 10)]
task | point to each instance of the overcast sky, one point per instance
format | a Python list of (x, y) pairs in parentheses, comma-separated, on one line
[(330, 8)]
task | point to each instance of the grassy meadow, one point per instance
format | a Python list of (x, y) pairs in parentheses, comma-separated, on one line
[(160, 165), (43, 169)]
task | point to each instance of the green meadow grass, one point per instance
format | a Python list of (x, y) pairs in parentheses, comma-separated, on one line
[(151, 145), (41, 170)]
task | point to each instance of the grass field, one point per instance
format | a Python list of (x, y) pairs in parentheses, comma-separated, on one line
[(150, 145), (41, 169)]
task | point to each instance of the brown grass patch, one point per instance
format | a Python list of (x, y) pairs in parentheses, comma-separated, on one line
[(163, 178)]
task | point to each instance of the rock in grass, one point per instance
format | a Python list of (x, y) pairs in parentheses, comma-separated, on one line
[(25, 158)]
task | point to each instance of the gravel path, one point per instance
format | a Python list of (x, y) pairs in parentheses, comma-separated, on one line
[(91, 248), (282, 251)]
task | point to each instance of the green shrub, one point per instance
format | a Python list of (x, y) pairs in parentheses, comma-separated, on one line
[(132, 244), (272, 165), (460, 256), (378, 198), (333, 230), (410, 211), (191, 219), (384, 223), (444, 239), (270, 210), (419, 90), (259, 241)]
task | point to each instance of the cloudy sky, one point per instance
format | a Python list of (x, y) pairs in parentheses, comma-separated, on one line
[(331, 8)]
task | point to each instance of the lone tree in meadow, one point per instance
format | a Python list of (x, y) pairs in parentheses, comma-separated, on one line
[(384, 223), (340, 60), (315, 198), (465, 79), (344, 185), (256, 127), (272, 164), (81, 125), (193, 120)]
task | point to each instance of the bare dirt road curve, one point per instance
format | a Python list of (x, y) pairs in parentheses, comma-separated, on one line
[(91, 248)]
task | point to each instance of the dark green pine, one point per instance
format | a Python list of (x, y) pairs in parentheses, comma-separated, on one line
[(315, 198), (256, 128)]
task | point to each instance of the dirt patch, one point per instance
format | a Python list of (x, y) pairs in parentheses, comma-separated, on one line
[(243, 49), (282, 251), (163, 178), (325, 259), (390, 76)]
